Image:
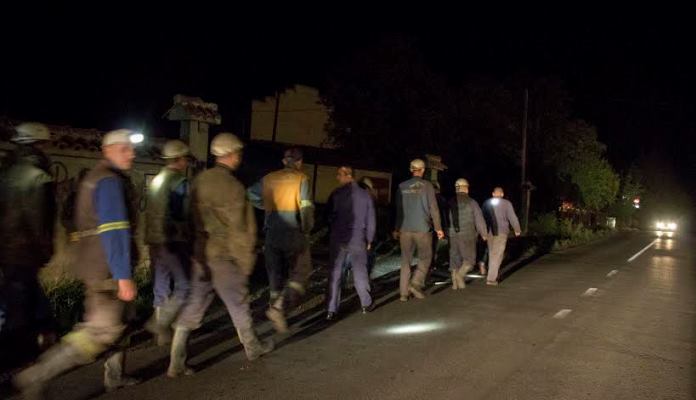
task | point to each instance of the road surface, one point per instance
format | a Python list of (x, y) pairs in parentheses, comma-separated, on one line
[(580, 324)]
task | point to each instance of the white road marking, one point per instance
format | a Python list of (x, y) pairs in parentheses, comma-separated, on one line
[(612, 273), (563, 313), (590, 292), (642, 251)]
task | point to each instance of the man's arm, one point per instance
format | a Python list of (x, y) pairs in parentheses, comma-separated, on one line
[(371, 223), (306, 206), (399, 210), (512, 217), (45, 209), (114, 227), (238, 216), (178, 202), (479, 222), (255, 195), (434, 210), (329, 212)]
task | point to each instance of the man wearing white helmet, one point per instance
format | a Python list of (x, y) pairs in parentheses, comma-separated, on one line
[(466, 221), (104, 217), (224, 253), (27, 217), (167, 234), (417, 215)]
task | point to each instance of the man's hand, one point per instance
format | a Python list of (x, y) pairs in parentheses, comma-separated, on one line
[(369, 246), (484, 237), (517, 233), (127, 290), (396, 235), (440, 235)]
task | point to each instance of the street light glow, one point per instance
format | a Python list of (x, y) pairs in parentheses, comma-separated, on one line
[(495, 201)]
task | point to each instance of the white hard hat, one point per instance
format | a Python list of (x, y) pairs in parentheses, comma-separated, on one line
[(417, 164), (224, 144), (461, 182), (30, 132), (119, 136), (175, 149)]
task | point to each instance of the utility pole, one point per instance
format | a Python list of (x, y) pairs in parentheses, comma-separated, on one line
[(524, 184)]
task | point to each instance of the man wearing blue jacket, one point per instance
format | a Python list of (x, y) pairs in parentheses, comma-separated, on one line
[(351, 215), (104, 218)]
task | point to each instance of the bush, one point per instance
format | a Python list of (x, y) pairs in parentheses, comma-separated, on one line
[(66, 296), (544, 225), (566, 233)]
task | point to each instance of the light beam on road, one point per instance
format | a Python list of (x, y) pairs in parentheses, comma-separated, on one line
[(410, 329), (642, 251)]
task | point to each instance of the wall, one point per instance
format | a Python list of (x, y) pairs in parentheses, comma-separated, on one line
[(326, 183), (301, 118)]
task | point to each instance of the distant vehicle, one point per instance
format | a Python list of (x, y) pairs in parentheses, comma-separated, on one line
[(666, 228)]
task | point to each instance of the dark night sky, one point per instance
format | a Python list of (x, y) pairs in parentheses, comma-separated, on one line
[(635, 80)]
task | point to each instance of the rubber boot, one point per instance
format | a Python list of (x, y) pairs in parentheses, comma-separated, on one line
[(253, 347), (454, 280), (460, 276), (178, 354), (416, 291), (276, 315), (293, 295), (57, 360), (114, 378), (160, 324)]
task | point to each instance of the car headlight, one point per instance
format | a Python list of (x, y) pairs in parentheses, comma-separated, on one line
[(672, 226)]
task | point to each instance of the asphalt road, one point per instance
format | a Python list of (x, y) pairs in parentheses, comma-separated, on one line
[(581, 324)]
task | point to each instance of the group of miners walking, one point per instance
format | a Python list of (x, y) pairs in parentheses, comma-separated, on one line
[(202, 238)]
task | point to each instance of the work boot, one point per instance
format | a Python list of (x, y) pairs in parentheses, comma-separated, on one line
[(403, 299), (293, 295), (160, 324), (277, 318), (57, 360), (177, 356), (455, 284), (253, 347), (114, 378), (273, 297), (416, 292), (482, 268), (460, 276)]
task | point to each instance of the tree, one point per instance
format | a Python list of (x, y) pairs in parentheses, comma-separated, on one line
[(631, 188), (579, 159)]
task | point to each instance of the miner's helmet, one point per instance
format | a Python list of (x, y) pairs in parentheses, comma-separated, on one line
[(31, 132), (224, 144), (175, 149)]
